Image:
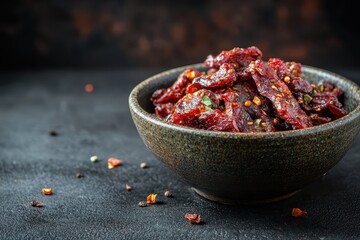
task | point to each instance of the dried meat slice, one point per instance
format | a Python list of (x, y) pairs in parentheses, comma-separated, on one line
[(216, 120), (269, 85), (327, 100), (165, 98), (165, 95), (162, 110), (188, 109), (185, 79), (258, 109), (290, 73), (237, 57), (234, 108), (224, 77)]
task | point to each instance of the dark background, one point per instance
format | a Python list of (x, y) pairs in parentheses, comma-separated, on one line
[(109, 34)]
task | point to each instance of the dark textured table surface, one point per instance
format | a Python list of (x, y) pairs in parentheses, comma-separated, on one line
[(98, 206)]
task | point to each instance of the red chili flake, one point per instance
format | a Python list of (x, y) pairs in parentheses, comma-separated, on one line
[(151, 199), (128, 187), (36, 204), (297, 212), (113, 162), (193, 218), (89, 88), (47, 191)]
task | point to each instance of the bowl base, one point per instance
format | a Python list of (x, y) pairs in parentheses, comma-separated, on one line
[(239, 201)]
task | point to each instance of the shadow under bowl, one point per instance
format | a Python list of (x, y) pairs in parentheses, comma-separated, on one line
[(246, 167)]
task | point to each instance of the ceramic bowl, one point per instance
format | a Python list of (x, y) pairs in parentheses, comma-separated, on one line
[(246, 167)]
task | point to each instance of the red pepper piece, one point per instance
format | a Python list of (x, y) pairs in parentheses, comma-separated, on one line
[(297, 212), (269, 85), (193, 218)]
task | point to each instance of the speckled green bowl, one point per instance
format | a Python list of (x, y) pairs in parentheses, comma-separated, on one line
[(246, 167)]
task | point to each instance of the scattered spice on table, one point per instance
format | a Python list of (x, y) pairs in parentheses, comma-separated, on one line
[(36, 204), (168, 194), (114, 162), (297, 212), (47, 191), (193, 218), (80, 175), (128, 187), (89, 88), (53, 133), (94, 158), (142, 204), (151, 199), (143, 165)]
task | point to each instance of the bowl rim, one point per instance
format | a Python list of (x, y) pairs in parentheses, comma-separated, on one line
[(135, 106)]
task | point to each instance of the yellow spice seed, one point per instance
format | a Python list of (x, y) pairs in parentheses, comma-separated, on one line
[(191, 75), (247, 103), (47, 191), (276, 121), (287, 79), (230, 71), (250, 123), (257, 101)]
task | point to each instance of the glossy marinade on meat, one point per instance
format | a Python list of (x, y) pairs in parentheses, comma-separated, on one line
[(242, 93)]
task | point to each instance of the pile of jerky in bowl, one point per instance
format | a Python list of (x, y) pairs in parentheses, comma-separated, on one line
[(242, 93)]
